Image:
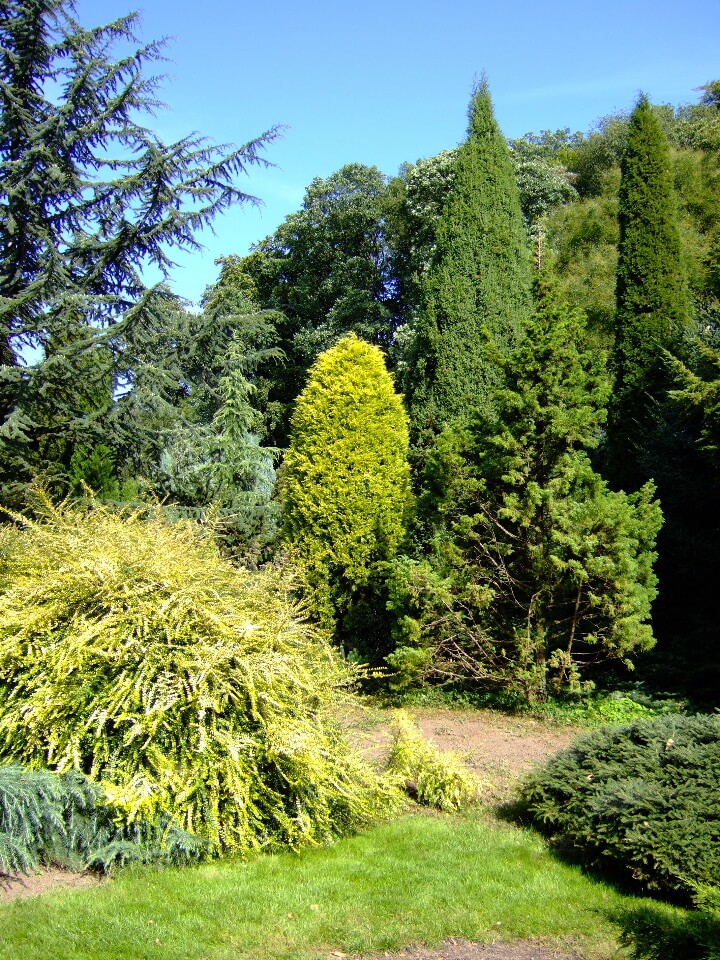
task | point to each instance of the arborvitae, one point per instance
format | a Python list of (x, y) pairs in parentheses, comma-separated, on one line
[(479, 282), (651, 292), (346, 483)]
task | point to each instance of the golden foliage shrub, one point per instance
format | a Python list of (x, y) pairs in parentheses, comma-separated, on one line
[(433, 777), (130, 650), (346, 478)]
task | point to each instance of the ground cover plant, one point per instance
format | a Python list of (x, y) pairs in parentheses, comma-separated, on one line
[(190, 689), (595, 708), (641, 799)]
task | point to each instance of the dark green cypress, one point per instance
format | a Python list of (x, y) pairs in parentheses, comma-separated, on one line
[(652, 306), (478, 289)]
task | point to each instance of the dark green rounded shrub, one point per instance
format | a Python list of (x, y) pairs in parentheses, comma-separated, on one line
[(643, 799)]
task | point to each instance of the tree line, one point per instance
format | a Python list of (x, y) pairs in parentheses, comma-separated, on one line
[(475, 405)]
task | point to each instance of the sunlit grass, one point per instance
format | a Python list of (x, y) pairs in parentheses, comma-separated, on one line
[(420, 879)]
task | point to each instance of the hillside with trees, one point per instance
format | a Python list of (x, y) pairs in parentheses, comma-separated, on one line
[(449, 436)]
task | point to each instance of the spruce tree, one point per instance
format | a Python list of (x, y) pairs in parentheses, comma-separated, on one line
[(219, 467), (478, 288), (88, 197), (652, 306)]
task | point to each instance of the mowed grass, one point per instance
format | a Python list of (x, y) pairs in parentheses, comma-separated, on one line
[(417, 880)]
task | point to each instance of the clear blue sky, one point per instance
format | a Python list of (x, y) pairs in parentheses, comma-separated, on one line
[(382, 82)]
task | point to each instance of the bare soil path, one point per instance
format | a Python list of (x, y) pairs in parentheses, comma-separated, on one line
[(465, 950), (497, 747), (42, 881)]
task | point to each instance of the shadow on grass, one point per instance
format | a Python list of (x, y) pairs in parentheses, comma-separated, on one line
[(655, 931), (668, 929)]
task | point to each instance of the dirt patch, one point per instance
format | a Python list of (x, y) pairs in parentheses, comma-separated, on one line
[(465, 950), (42, 881)]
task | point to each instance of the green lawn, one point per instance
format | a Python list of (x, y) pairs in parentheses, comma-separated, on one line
[(419, 879)]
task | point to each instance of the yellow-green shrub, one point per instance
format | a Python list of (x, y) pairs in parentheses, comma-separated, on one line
[(130, 650), (435, 778), (346, 485)]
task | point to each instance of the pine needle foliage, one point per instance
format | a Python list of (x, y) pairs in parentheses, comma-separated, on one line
[(89, 197), (640, 799), (219, 466), (192, 690), (346, 485), (433, 777), (479, 284)]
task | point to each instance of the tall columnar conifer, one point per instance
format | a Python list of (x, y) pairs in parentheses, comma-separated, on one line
[(346, 487), (651, 291), (479, 283)]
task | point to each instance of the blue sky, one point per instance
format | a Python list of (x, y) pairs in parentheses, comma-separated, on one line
[(388, 81)]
